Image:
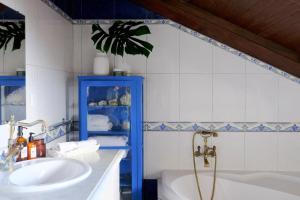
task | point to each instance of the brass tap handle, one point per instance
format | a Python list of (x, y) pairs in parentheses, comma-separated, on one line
[(208, 134)]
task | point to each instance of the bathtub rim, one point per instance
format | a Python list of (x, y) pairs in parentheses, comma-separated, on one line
[(167, 176)]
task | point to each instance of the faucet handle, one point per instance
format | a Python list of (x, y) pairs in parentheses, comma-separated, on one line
[(208, 134)]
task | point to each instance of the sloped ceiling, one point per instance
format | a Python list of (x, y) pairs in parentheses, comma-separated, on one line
[(266, 29)]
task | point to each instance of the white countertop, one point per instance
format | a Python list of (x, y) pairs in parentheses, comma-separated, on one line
[(101, 163)]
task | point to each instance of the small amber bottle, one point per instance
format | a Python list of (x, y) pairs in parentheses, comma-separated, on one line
[(22, 142), (31, 148), (40, 148)]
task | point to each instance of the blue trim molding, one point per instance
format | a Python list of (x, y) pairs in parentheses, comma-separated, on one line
[(222, 126)]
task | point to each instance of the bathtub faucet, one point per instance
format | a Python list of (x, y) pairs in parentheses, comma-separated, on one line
[(207, 151)]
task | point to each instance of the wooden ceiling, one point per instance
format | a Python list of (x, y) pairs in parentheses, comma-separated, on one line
[(266, 29)]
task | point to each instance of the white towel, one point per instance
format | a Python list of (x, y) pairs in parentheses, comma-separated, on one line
[(110, 140), (72, 149), (69, 146), (99, 123)]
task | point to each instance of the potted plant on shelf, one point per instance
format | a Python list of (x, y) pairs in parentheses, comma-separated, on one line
[(120, 39)]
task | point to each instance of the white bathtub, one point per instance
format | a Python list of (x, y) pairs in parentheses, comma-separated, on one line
[(181, 185)]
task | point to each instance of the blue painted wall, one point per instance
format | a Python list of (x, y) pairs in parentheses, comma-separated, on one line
[(104, 9), (11, 14)]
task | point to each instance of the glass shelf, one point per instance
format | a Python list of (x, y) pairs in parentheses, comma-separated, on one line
[(95, 108), (110, 133)]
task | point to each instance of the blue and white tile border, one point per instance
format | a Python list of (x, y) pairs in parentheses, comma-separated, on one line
[(222, 126), (56, 131)]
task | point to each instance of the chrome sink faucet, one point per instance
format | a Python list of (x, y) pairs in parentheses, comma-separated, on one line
[(207, 151), (13, 148)]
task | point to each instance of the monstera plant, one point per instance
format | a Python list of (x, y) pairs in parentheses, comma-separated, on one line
[(122, 38), (12, 31)]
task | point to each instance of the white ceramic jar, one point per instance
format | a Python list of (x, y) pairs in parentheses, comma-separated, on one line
[(101, 64)]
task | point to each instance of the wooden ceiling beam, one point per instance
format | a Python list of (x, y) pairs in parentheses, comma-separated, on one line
[(226, 32)]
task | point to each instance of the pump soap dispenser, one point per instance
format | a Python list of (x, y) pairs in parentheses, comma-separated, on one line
[(31, 148), (22, 142)]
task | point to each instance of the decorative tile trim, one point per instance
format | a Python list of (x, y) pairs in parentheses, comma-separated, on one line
[(56, 131), (223, 126), (58, 10)]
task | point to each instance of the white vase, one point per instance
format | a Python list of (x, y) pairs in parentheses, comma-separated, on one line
[(101, 64)]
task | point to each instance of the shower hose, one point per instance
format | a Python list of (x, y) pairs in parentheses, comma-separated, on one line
[(196, 174)]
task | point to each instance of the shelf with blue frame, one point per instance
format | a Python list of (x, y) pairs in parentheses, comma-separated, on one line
[(115, 147), (126, 122), (109, 133)]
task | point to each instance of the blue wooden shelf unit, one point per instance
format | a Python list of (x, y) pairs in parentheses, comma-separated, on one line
[(113, 106), (10, 84)]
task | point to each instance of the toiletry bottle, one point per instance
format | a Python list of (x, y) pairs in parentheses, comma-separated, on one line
[(22, 142), (31, 148), (40, 148)]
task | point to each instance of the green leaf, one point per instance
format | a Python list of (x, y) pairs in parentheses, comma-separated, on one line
[(134, 49), (107, 44), (99, 44), (96, 37), (147, 45), (119, 38), (114, 47), (142, 30)]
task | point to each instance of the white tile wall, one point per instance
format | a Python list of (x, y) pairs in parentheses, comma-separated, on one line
[(195, 97), (230, 151), (229, 97), (288, 151), (288, 101), (165, 55), (261, 151), (196, 56), (161, 152), (187, 79), (163, 97), (228, 63), (261, 98)]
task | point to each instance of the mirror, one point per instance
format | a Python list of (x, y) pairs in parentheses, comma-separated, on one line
[(12, 65)]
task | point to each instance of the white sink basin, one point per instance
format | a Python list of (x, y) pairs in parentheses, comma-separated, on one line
[(47, 174)]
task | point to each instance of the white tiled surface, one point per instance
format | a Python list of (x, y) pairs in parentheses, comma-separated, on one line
[(288, 100), (226, 62), (288, 151), (230, 151), (261, 151), (165, 55), (161, 152), (195, 97), (261, 98), (163, 97), (189, 80), (196, 56), (229, 97)]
